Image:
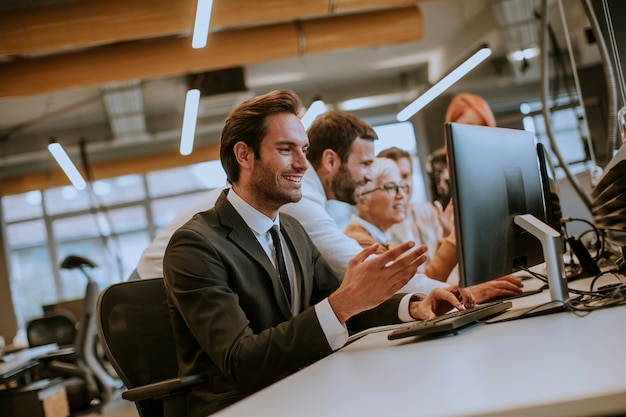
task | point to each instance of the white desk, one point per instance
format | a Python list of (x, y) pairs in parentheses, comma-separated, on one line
[(554, 365), (13, 362)]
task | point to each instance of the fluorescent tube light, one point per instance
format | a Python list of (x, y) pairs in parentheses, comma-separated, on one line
[(443, 84), (201, 25), (190, 117), (67, 166), (369, 102), (315, 109)]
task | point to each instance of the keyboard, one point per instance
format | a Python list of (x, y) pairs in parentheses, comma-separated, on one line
[(451, 321)]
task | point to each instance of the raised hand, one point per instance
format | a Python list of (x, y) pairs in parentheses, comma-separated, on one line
[(369, 282), (446, 217)]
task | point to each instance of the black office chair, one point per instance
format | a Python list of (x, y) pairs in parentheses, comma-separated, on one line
[(67, 363), (135, 329), (89, 387), (58, 327)]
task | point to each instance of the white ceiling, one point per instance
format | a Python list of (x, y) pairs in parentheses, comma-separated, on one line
[(452, 29)]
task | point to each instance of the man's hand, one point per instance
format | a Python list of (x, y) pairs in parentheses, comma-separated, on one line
[(369, 282), (505, 286), (440, 301)]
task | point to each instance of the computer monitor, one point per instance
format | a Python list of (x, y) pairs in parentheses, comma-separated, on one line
[(550, 187), (499, 206)]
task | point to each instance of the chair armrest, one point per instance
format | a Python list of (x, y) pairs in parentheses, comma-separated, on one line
[(58, 353), (164, 388)]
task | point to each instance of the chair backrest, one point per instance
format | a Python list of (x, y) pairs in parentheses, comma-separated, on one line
[(56, 328), (136, 332)]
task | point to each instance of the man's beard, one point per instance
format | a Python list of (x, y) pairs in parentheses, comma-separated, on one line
[(344, 186), (268, 187)]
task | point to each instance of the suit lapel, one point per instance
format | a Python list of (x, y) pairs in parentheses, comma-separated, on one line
[(241, 235)]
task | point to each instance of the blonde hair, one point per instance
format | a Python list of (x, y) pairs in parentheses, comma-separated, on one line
[(380, 168)]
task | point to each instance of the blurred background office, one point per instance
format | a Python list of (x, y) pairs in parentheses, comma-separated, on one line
[(108, 80)]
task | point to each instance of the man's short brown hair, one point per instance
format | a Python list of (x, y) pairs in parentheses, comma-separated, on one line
[(336, 130), (247, 123)]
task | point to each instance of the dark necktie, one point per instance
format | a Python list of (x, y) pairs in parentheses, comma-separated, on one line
[(280, 260)]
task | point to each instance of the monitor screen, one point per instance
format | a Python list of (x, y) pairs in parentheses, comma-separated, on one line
[(494, 175), (550, 186)]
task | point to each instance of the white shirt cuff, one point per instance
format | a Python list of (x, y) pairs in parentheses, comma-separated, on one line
[(403, 308), (335, 332)]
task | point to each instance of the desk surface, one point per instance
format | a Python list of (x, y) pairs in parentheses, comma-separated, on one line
[(23, 359), (557, 365)]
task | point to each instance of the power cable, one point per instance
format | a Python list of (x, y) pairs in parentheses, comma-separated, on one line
[(545, 110)]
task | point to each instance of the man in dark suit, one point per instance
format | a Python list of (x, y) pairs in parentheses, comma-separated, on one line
[(247, 313)]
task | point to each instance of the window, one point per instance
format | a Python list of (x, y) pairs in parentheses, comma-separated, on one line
[(31, 269), (567, 128), (402, 135), (109, 223)]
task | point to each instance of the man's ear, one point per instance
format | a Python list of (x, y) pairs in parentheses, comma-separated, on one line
[(330, 160), (243, 154)]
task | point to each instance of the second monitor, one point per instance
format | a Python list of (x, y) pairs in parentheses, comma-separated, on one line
[(499, 206)]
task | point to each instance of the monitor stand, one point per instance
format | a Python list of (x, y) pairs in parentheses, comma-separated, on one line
[(557, 283)]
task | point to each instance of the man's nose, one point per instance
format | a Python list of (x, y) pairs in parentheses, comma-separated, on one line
[(299, 160), (368, 175)]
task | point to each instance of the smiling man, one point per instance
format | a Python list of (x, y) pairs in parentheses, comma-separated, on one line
[(251, 298)]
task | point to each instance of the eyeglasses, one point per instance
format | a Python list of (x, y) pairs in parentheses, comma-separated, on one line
[(391, 188)]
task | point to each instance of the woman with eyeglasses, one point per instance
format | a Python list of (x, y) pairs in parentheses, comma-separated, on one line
[(382, 205), (425, 223)]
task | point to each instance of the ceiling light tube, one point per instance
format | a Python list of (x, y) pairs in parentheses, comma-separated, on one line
[(201, 25), (190, 118), (67, 166), (315, 109), (443, 84)]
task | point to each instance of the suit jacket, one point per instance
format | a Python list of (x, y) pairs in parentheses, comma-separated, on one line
[(230, 314)]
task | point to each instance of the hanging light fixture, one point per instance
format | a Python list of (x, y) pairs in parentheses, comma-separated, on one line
[(190, 119), (443, 84), (202, 23), (67, 165), (315, 109)]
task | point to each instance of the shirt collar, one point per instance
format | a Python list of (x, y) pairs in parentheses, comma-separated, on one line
[(258, 222), (378, 235)]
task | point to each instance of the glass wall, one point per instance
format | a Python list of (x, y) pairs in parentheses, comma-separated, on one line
[(567, 125), (110, 223)]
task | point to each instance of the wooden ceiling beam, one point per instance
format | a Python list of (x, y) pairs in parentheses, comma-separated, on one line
[(172, 56), (81, 24), (90, 23)]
